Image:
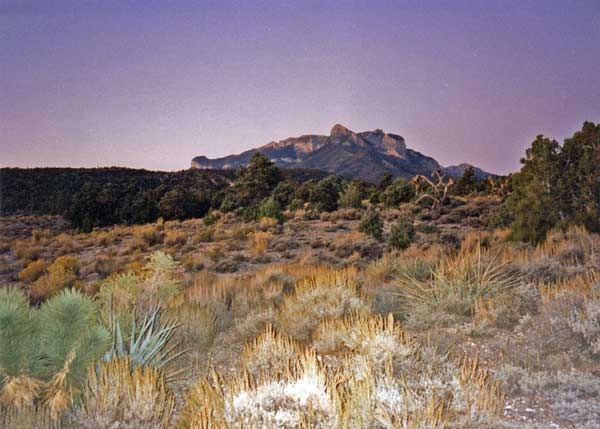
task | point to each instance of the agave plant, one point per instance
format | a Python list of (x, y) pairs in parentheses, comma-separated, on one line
[(149, 342)]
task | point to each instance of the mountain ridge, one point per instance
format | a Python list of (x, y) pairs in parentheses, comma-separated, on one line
[(365, 155)]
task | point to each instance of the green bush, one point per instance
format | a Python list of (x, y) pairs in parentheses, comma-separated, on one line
[(351, 196), (270, 208), (400, 191), (372, 224), (402, 234)]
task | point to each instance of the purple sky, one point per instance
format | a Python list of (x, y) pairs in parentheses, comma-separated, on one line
[(153, 83)]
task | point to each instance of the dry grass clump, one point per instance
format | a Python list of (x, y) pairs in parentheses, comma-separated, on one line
[(198, 326), (430, 391), (28, 417), (120, 395), (377, 339), (302, 398), (175, 238), (259, 242), (270, 354), (33, 271), (327, 294)]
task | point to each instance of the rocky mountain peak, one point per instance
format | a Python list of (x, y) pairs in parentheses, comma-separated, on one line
[(339, 130)]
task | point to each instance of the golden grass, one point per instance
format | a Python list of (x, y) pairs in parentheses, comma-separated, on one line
[(118, 395)]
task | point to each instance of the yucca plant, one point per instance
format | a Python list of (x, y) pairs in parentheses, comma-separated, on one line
[(463, 281), (71, 340), (19, 350), (149, 342)]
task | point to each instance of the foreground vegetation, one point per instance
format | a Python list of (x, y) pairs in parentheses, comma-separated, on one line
[(436, 303)]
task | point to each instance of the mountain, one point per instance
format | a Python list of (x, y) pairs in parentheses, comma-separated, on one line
[(365, 155), (458, 170)]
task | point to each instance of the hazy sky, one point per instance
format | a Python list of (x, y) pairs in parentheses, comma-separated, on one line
[(153, 83)]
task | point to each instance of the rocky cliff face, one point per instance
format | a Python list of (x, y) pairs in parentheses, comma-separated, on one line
[(366, 155)]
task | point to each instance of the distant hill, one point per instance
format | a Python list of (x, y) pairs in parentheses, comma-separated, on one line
[(365, 155)]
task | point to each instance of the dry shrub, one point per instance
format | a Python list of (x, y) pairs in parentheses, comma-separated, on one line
[(57, 278), (259, 242), (215, 252), (65, 243), (104, 266), (204, 235), (268, 224), (148, 235), (120, 395), (175, 238), (33, 271), (26, 251), (378, 339), (193, 262), (40, 236), (327, 294), (106, 238), (69, 263), (241, 233)]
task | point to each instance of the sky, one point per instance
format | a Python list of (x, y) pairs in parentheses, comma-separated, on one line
[(151, 84)]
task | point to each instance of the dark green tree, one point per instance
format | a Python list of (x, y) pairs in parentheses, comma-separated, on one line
[(372, 224), (182, 203), (324, 195), (402, 234), (533, 202), (400, 191)]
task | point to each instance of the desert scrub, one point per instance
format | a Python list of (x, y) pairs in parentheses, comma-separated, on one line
[(328, 293), (118, 394)]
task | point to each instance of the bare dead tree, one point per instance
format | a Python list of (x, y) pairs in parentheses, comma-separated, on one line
[(500, 187), (435, 190)]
